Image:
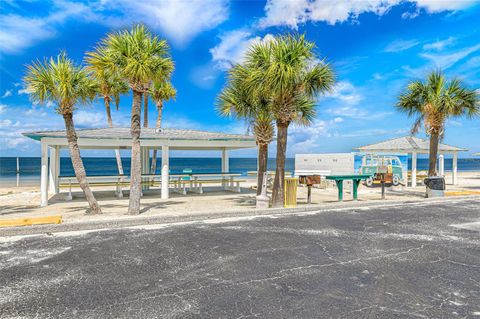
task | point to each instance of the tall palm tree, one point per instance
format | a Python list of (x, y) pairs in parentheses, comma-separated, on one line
[(434, 101), (145, 108), (110, 87), (236, 101), (288, 71), (138, 57), (160, 91), (62, 82)]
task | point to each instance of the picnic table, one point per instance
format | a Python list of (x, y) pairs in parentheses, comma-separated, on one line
[(181, 182), (356, 181), (196, 181)]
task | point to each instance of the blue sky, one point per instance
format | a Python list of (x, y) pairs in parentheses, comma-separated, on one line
[(374, 46)]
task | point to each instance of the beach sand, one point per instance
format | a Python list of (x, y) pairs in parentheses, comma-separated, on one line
[(22, 202)]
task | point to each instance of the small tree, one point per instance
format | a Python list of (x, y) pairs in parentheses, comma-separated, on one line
[(160, 92), (110, 87), (236, 101), (138, 57), (62, 82), (288, 71), (434, 101)]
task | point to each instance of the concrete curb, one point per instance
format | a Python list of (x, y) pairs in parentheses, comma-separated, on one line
[(158, 219)]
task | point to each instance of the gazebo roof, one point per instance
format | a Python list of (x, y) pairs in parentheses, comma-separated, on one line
[(408, 144), (146, 133), (150, 137)]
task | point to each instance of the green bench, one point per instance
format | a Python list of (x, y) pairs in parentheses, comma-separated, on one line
[(356, 181)]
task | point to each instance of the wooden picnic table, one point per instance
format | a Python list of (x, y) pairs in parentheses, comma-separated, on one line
[(356, 181)]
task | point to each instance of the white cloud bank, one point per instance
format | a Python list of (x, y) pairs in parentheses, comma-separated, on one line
[(233, 46), (179, 20), (293, 13)]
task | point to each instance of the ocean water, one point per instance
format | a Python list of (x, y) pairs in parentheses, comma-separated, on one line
[(30, 166)]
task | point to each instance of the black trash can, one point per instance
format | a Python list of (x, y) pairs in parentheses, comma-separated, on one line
[(435, 186)]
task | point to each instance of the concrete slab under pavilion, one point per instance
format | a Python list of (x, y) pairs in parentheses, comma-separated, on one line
[(164, 140), (414, 146)]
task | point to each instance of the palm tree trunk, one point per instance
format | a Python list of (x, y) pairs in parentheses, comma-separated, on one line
[(158, 125), (106, 101), (278, 194), (262, 165), (145, 109), (432, 160), (77, 164), (135, 168)]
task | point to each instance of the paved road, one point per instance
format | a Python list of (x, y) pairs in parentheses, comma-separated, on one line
[(420, 260)]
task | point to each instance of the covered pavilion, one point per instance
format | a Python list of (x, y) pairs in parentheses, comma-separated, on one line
[(165, 140), (414, 146)]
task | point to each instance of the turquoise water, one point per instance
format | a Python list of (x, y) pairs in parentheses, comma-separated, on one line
[(30, 166)]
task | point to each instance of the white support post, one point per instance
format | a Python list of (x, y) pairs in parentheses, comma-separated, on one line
[(145, 160), (165, 173), (414, 169), (441, 165), (53, 169), (225, 166), (44, 175), (454, 168)]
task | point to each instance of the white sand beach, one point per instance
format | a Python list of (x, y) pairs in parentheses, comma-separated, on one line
[(22, 202)]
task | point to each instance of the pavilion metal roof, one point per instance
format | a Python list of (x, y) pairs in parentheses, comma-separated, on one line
[(407, 144), (123, 133)]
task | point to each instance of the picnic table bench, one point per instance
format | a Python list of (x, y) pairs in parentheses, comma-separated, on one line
[(182, 183), (196, 181), (356, 181)]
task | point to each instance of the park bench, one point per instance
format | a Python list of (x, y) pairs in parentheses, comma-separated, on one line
[(356, 181)]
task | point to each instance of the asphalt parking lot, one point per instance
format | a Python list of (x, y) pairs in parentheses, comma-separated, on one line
[(402, 261)]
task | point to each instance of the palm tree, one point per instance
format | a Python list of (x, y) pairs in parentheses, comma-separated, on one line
[(145, 108), (160, 92), (235, 101), (288, 71), (434, 101), (62, 82), (110, 87), (138, 57)]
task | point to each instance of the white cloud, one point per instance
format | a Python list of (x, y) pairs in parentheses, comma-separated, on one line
[(375, 132), (447, 60), (401, 45), (3, 108), (440, 44), (357, 113), (180, 20), (19, 32), (307, 138), (7, 94), (86, 119), (346, 93), (233, 46), (434, 6), (293, 13), (23, 91)]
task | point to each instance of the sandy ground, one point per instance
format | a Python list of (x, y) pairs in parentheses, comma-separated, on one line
[(21, 202)]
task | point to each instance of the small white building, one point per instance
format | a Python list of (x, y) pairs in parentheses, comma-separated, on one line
[(165, 140), (414, 146)]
